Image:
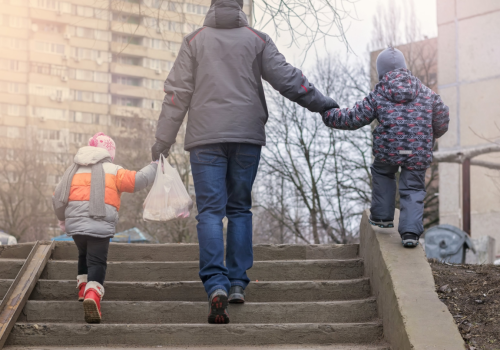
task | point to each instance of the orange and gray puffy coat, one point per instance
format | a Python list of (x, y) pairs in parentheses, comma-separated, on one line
[(117, 180)]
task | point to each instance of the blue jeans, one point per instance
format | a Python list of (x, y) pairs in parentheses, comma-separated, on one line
[(223, 177)]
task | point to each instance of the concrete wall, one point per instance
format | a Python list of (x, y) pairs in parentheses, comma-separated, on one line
[(469, 83), (401, 279)]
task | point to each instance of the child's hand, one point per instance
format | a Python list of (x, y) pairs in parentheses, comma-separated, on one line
[(62, 226)]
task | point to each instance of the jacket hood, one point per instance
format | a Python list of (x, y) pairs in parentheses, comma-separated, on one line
[(399, 86), (226, 14), (89, 155)]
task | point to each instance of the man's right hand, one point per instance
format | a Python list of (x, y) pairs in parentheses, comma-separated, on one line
[(159, 148)]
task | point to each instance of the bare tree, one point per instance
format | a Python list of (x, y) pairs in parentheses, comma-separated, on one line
[(395, 25), (27, 178), (314, 181), (306, 22)]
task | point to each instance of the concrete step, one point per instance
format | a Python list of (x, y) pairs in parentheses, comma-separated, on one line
[(190, 252), (145, 312), (257, 347), (4, 286), (67, 334), (10, 267), (284, 291), (188, 271)]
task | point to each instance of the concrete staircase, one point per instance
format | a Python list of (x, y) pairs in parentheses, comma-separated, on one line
[(300, 297)]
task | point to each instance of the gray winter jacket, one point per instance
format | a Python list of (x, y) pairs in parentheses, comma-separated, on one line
[(117, 180), (217, 76)]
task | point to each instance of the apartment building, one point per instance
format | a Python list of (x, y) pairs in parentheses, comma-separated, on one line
[(71, 68)]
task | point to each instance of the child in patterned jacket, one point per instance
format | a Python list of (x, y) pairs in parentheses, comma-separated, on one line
[(86, 202), (410, 117)]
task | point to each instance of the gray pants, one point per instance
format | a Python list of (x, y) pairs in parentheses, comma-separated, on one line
[(411, 191)]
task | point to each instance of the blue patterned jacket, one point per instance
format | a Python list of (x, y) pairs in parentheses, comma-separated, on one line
[(410, 117)]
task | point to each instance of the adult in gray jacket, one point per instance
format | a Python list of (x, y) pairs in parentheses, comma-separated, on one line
[(217, 76)]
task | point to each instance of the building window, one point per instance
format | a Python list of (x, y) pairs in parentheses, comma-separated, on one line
[(16, 88), (13, 110), (14, 21), (84, 32), (101, 77), (79, 138), (127, 101), (175, 6), (123, 80), (158, 64), (130, 60), (46, 134), (84, 96), (152, 104), (87, 118), (127, 39), (153, 84), (83, 11), (88, 54), (13, 65), (52, 91), (49, 113), (197, 9), (101, 98), (49, 27), (45, 4), (126, 18), (40, 68), (14, 43), (52, 48), (88, 75)]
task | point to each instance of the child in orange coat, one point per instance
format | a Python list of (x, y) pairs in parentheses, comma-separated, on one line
[(86, 202)]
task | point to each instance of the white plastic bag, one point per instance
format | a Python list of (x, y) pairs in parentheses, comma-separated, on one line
[(168, 198)]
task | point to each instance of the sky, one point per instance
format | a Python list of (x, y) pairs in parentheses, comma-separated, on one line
[(359, 28)]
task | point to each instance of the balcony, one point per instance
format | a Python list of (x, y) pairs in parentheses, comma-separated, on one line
[(127, 111), (137, 71), (129, 90), (129, 49)]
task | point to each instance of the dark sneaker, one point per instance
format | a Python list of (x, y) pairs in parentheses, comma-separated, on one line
[(381, 223), (236, 295), (410, 240), (217, 307)]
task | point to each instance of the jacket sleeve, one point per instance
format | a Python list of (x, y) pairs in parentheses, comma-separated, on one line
[(289, 81), (440, 117), (134, 181), (179, 88), (60, 213), (363, 113)]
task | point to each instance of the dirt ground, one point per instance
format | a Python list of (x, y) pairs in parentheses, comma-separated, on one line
[(472, 294)]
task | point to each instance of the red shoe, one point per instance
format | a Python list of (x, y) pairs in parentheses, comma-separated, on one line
[(81, 283), (94, 292)]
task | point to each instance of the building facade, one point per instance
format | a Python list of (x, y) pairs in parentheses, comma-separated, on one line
[(469, 82), (71, 68)]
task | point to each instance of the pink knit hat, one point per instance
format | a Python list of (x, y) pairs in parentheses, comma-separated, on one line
[(103, 141)]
